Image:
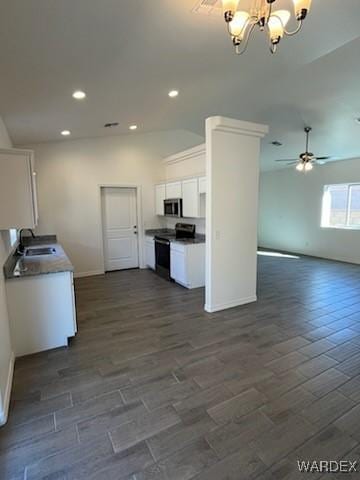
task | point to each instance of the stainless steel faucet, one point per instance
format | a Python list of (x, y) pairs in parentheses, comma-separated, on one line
[(21, 248)]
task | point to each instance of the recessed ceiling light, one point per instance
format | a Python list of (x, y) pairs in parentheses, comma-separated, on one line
[(173, 93), (133, 127), (79, 95), (66, 133)]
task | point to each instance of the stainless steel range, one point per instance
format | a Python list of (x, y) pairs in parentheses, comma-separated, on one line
[(162, 247)]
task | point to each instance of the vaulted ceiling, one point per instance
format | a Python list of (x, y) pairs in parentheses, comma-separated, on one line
[(127, 55)]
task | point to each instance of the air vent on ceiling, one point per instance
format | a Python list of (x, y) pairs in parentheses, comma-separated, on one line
[(111, 124), (208, 7)]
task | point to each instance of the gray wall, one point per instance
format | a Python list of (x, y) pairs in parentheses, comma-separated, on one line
[(290, 212)]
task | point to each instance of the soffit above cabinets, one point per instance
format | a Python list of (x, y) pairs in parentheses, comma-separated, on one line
[(188, 154)]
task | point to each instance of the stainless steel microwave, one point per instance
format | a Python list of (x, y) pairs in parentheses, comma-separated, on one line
[(173, 207)]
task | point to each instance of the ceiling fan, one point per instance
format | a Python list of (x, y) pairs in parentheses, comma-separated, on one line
[(306, 160)]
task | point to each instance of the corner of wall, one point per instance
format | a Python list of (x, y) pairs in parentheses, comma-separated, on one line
[(5, 402), (7, 356)]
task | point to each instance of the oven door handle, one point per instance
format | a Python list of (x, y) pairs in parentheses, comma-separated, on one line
[(163, 242)]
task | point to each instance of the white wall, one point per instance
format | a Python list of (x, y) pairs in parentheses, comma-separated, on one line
[(232, 167), (5, 343), (198, 222), (290, 212), (69, 174), (190, 164)]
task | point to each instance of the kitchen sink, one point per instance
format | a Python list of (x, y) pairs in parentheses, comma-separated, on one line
[(33, 252)]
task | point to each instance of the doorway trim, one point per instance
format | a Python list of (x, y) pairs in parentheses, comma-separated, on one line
[(139, 219)]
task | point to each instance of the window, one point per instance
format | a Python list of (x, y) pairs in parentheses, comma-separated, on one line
[(341, 206), (13, 237)]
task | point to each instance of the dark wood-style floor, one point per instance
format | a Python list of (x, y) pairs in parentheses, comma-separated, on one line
[(155, 388)]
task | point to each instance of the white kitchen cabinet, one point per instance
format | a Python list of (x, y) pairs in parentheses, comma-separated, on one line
[(34, 190), (178, 265), (202, 206), (191, 198), (45, 317), (18, 199), (160, 193), (173, 190), (150, 252), (187, 264), (202, 185)]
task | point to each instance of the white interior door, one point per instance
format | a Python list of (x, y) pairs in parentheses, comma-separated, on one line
[(120, 228)]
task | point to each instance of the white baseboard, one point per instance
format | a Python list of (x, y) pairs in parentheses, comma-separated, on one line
[(6, 400), (88, 274), (232, 304)]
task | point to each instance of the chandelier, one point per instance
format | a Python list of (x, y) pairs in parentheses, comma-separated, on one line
[(241, 23)]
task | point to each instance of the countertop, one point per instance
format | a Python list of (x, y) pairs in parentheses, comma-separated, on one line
[(199, 237), (17, 266), (159, 231)]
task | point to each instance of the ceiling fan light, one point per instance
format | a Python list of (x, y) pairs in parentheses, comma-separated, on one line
[(302, 7), (229, 9), (300, 167), (308, 167), (238, 24), (277, 23)]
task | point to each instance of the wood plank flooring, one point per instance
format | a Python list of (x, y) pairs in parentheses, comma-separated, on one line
[(153, 387)]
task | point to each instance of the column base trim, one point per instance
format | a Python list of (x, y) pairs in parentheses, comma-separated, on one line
[(232, 304)]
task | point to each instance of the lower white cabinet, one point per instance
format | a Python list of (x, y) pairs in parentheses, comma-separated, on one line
[(150, 252), (177, 265), (187, 264), (41, 312)]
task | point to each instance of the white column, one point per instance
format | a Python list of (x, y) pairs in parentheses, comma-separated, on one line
[(232, 169)]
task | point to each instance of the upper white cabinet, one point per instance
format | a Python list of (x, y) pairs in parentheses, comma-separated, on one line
[(191, 198), (18, 199), (159, 199), (202, 185), (173, 190), (189, 189)]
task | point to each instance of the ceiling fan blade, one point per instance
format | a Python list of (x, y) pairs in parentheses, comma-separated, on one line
[(322, 158), (287, 160)]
